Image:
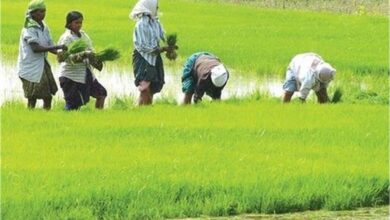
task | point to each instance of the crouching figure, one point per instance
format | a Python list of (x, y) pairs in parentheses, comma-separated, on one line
[(203, 73), (308, 71)]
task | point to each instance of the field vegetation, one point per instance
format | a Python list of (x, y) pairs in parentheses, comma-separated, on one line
[(249, 39), (242, 155), (214, 159), (358, 7)]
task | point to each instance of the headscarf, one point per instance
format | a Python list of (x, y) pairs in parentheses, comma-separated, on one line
[(72, 16), (325, 72), (33, 6), (148, 7), (219, 75)]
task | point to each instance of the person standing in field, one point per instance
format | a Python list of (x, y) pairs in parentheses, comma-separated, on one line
[(33, 67), (203, 73), (308, 71), (147, 63), (77, 79)]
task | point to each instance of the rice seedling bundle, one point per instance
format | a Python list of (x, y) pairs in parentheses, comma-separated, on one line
[(337, 96), (108, 54), (171, 41), (76, 46)]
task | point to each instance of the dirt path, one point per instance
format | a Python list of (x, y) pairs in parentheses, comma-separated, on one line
[(363, 213)]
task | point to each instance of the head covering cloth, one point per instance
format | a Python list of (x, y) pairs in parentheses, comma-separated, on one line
[(325, 72), (219, 75), (33, 6), (148, 7)]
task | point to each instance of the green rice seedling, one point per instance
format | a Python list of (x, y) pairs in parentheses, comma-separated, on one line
[(171, 41), (250, 157), (76, 46), (108, 54), (337, 96), (119, 104), (265, 49), (213, 159)]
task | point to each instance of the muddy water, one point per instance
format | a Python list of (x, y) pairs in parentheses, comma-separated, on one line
[(119, 82)]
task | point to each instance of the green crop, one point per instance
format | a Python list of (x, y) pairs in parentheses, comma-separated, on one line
[(212, 159), (108, 54)]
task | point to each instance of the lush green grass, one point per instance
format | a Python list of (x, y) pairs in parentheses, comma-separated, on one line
[(211, 159), (247, 39), (362, 89), (240, 156)]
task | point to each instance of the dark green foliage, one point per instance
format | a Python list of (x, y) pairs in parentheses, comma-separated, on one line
[(171, 41), (337, 96)]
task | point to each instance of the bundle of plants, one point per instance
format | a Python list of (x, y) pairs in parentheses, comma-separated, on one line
[(108, 54), (171, 42), (75, 47), (337, 96)]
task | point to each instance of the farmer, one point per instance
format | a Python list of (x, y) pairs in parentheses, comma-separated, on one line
[(147, 62), (203, 73), (305, 72), (33, 67), (77, 79)]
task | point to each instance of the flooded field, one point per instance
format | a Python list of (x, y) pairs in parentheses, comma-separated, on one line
[(119, 82)]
